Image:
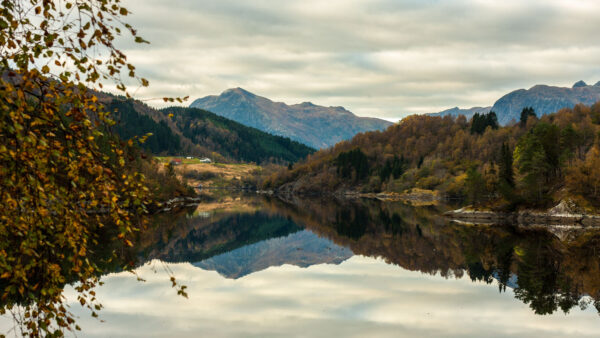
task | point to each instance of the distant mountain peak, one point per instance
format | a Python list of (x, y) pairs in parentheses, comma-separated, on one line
[(544, 99), (238, 91), (311, 124), (597, 84)]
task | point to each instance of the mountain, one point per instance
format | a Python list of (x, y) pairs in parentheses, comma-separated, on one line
[(196, 132), (468, 113), (302, 249), (316, 126), (544, 100)]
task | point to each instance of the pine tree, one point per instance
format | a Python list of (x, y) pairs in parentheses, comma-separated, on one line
[(525, 114), (506, 173)]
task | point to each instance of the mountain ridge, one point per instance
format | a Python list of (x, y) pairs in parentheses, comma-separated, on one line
[(306, 122), (545, 99)]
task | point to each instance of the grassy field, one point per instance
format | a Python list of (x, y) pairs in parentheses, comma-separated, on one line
[(213, 175), (167, 159)]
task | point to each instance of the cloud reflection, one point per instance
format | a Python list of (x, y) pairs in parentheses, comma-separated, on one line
[(361, 297)]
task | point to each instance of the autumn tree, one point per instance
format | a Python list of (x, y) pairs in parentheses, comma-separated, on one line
[(62, 179), (584, 178)]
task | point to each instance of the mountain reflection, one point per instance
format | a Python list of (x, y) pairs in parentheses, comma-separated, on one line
[(302, 248), (549, 269)]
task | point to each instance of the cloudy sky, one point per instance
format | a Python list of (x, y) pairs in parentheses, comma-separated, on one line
[(384, 58)]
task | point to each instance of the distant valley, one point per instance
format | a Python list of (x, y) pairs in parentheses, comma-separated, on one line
[(316, 126)]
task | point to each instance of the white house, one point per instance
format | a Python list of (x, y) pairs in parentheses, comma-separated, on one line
[(205, 160)]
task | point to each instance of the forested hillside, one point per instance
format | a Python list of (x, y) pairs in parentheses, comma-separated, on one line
[(131, 123), (535, 162), (234, 140), (196, 132)]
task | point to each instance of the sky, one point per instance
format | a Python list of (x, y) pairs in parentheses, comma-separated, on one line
[(381, 58)]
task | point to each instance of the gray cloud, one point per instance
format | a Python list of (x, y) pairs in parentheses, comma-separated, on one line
[(381, 58)]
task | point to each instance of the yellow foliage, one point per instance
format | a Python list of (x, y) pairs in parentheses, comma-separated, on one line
[(58, 172)]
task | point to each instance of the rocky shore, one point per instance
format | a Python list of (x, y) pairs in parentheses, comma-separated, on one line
[(562, 214)]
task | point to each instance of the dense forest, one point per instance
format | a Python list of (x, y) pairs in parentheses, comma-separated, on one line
[(234, 140), (534, 162), (131, 123)]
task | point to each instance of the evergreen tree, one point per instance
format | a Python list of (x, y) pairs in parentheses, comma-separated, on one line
[(525, 114), (480, 122), (353, 164), (476, 188), (506, 166), (538, 158), (392, 167)]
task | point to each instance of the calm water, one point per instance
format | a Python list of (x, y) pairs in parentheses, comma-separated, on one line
[(259, 267)]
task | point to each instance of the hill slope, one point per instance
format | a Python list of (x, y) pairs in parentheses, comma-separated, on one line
[(197, 132), (317, 126), (536, 164)]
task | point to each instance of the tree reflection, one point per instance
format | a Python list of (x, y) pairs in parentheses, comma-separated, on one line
[(545, 272)]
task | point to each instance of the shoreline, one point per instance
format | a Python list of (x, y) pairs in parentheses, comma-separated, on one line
[(526, 217)]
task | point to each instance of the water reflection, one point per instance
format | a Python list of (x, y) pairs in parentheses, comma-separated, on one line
[(545, 271), (302, 249), (268, 266), (548, 269)]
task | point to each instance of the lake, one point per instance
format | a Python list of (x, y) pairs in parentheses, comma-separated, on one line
[(263, 266)]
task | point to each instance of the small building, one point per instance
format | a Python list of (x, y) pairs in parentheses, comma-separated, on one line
[(205, 160), (188, 157), (175, 161)]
